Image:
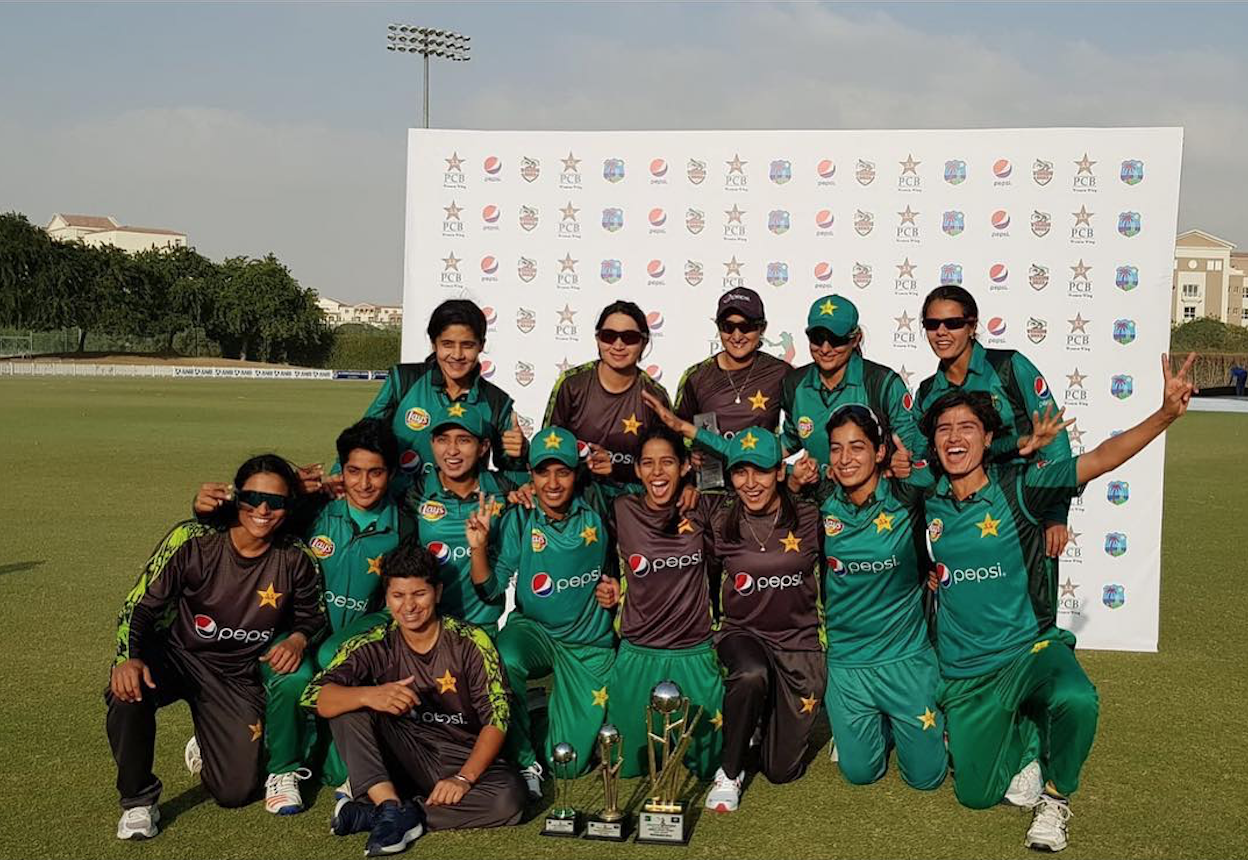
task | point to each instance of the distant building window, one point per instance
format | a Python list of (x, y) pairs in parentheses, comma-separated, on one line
[(1189, 313), (1191, 291), (1209, 265)]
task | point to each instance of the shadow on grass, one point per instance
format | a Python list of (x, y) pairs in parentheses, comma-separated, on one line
[(19, 566), (184, 802)]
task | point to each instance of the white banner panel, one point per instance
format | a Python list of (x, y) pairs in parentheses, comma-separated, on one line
[(1065, 236)]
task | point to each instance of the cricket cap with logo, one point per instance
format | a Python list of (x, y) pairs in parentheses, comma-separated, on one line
[(835, 313), (554, 443), (740, 300), (755, 446), (465, 416)]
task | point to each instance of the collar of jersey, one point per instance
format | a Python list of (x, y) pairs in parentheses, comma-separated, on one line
[(882, 493), (853, 376), (978, 365), (578, 504), (485, 482), (944, 488), (387, 516), (439, 381)]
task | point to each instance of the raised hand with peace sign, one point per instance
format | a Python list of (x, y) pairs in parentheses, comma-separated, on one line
[(477, 526)]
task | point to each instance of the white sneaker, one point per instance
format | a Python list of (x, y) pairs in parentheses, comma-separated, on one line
[(1026, 787), (533, 780), (343, 791), (281, 792), (1048, 824), (832, 753), (139, 822), (725, 794), (194, 761)]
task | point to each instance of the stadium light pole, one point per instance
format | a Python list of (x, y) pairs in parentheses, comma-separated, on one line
[(428, 42)]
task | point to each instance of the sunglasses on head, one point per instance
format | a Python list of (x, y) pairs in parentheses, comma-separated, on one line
[(819, 336), (631, 337), (742, 326), (950, 323), (255, 498)]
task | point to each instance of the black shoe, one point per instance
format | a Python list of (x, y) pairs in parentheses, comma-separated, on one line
[(395, 826), (351, 816)]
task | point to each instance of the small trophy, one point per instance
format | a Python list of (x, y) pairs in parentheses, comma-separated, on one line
[(610, 824), (562, 819), (668, 725), (711, 473)]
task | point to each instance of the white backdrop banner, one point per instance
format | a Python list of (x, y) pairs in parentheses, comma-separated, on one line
[(1065, 236)]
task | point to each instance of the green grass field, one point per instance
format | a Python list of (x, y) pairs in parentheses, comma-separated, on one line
[(97, 470)]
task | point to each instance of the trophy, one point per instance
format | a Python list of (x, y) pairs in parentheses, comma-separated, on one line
[(670, 729), (610, 824), (562, 819), (711, 473)]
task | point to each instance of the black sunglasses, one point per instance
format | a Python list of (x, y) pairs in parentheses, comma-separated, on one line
[(951, 323), (744, 326), (819, 336), (255, 498), (631, 337)]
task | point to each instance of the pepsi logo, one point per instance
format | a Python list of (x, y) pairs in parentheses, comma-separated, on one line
[(907, 400), (999, 273), (491, 316), (493, 165), (440, 551), (654, 319), (542, 585), (205, 627), (836, 565), (490, 214), (322, 546), (657, 217), (996, 326), (489, 264), (583, 450), (824, 219), (826, 169), (658, 167), (744, 584), (944, 575), (638, 564), (1000, 219), (1041, 387), (655, 268), (823, 271), (1001, 168), (487, 368), (409, 461), (654, 372)]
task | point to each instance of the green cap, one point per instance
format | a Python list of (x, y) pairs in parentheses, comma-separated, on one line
[(757, 446), (835, 313), (554, 443), (466, 416)]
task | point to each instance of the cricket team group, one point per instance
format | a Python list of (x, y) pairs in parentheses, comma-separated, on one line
[(890, 558)]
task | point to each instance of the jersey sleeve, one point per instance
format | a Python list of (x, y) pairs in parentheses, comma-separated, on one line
[(1038, 397), (1045, 483), (789, 439), (687, 395), (310, 616), (899, 404), (150, 600), (505, 555), (488, 688), (358, 662), (912, 490), (562, 403)]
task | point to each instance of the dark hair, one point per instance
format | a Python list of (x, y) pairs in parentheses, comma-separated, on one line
[(875, 427), (787, 518), (660, 431), (952, 293), (629, 309), (270, 464), (979, 402), (457, 312), (410, 559), (370, 434)]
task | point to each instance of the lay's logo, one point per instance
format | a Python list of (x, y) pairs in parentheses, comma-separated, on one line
[(321, 546), (538, 540), (432, 511), (416, 419), (832, 526)]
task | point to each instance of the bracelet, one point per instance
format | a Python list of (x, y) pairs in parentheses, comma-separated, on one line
[(465, 779)]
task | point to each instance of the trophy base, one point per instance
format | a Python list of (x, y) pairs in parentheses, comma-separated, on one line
[(667, 827), (614, 830), (558, 825)]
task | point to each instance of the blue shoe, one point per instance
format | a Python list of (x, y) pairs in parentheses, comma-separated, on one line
[(395, 827), (351, 816)]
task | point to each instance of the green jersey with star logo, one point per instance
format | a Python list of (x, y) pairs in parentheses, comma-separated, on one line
[(997, 591)]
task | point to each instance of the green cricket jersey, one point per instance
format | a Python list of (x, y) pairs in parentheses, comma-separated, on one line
[(998, 591), (558, 565), (876, 566), (808, 404), (440, 516)]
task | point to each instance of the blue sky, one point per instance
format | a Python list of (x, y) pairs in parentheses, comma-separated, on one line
[(280, 127)]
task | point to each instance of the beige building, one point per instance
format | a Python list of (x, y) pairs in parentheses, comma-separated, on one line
[(106, 230), (1209, 280), (337, 313)]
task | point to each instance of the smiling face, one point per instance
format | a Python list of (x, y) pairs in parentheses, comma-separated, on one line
[(457, 452), (960, 441), (734, 334), (365, 478), (948, 343), (831, 357), (757, 488), (554, 483), (854, 460), (659, 469), (618, 355), (413, 602), (262, 521), (456, 349)]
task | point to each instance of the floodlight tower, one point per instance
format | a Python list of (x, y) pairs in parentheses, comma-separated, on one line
[(427, 42)]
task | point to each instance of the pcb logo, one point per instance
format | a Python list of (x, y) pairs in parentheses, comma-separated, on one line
[(696, 171), (526, 269), (612, 271), (1124, 331), (952, 223), (1132, 172), (1127, 278), (695, 221), (864, 222), (1114, 596), (777, 274), (955, 171), (613, 169), (951, 275), (864, 172), (1042, 172), (1118, 492), (1041, 223), (1121, 386), (1038, 276), (612, 220), (862, 275), (530, 169), (693, 273), (524, 373), (778, 221), (780, 172), (1116, 544), (1129, 223)]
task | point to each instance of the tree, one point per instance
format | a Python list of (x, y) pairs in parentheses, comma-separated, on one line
[(25, 254), (180, 285), (1209, 335), (261, 313)]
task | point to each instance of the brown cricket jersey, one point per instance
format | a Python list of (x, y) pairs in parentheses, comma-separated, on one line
[(580, 405), (739, 398), (219, 604), (773, 593), (459, 681), (666, 599)]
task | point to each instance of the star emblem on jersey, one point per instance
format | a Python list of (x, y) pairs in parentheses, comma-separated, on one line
[(1040, 646), (791, 542), (884, 522), (269, 597), (496, 508), (685, 527), (988, 526), (758, 401), (631, 424), (552, 441), (928, 719), (717, 721), (600, 698), (808, 704), (748, 441), (456, 409), (446, 684), (374, 565), (827, 309), (257, 729), (589, 534)]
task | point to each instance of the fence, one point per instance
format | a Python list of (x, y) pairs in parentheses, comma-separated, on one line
[(179, 371)]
